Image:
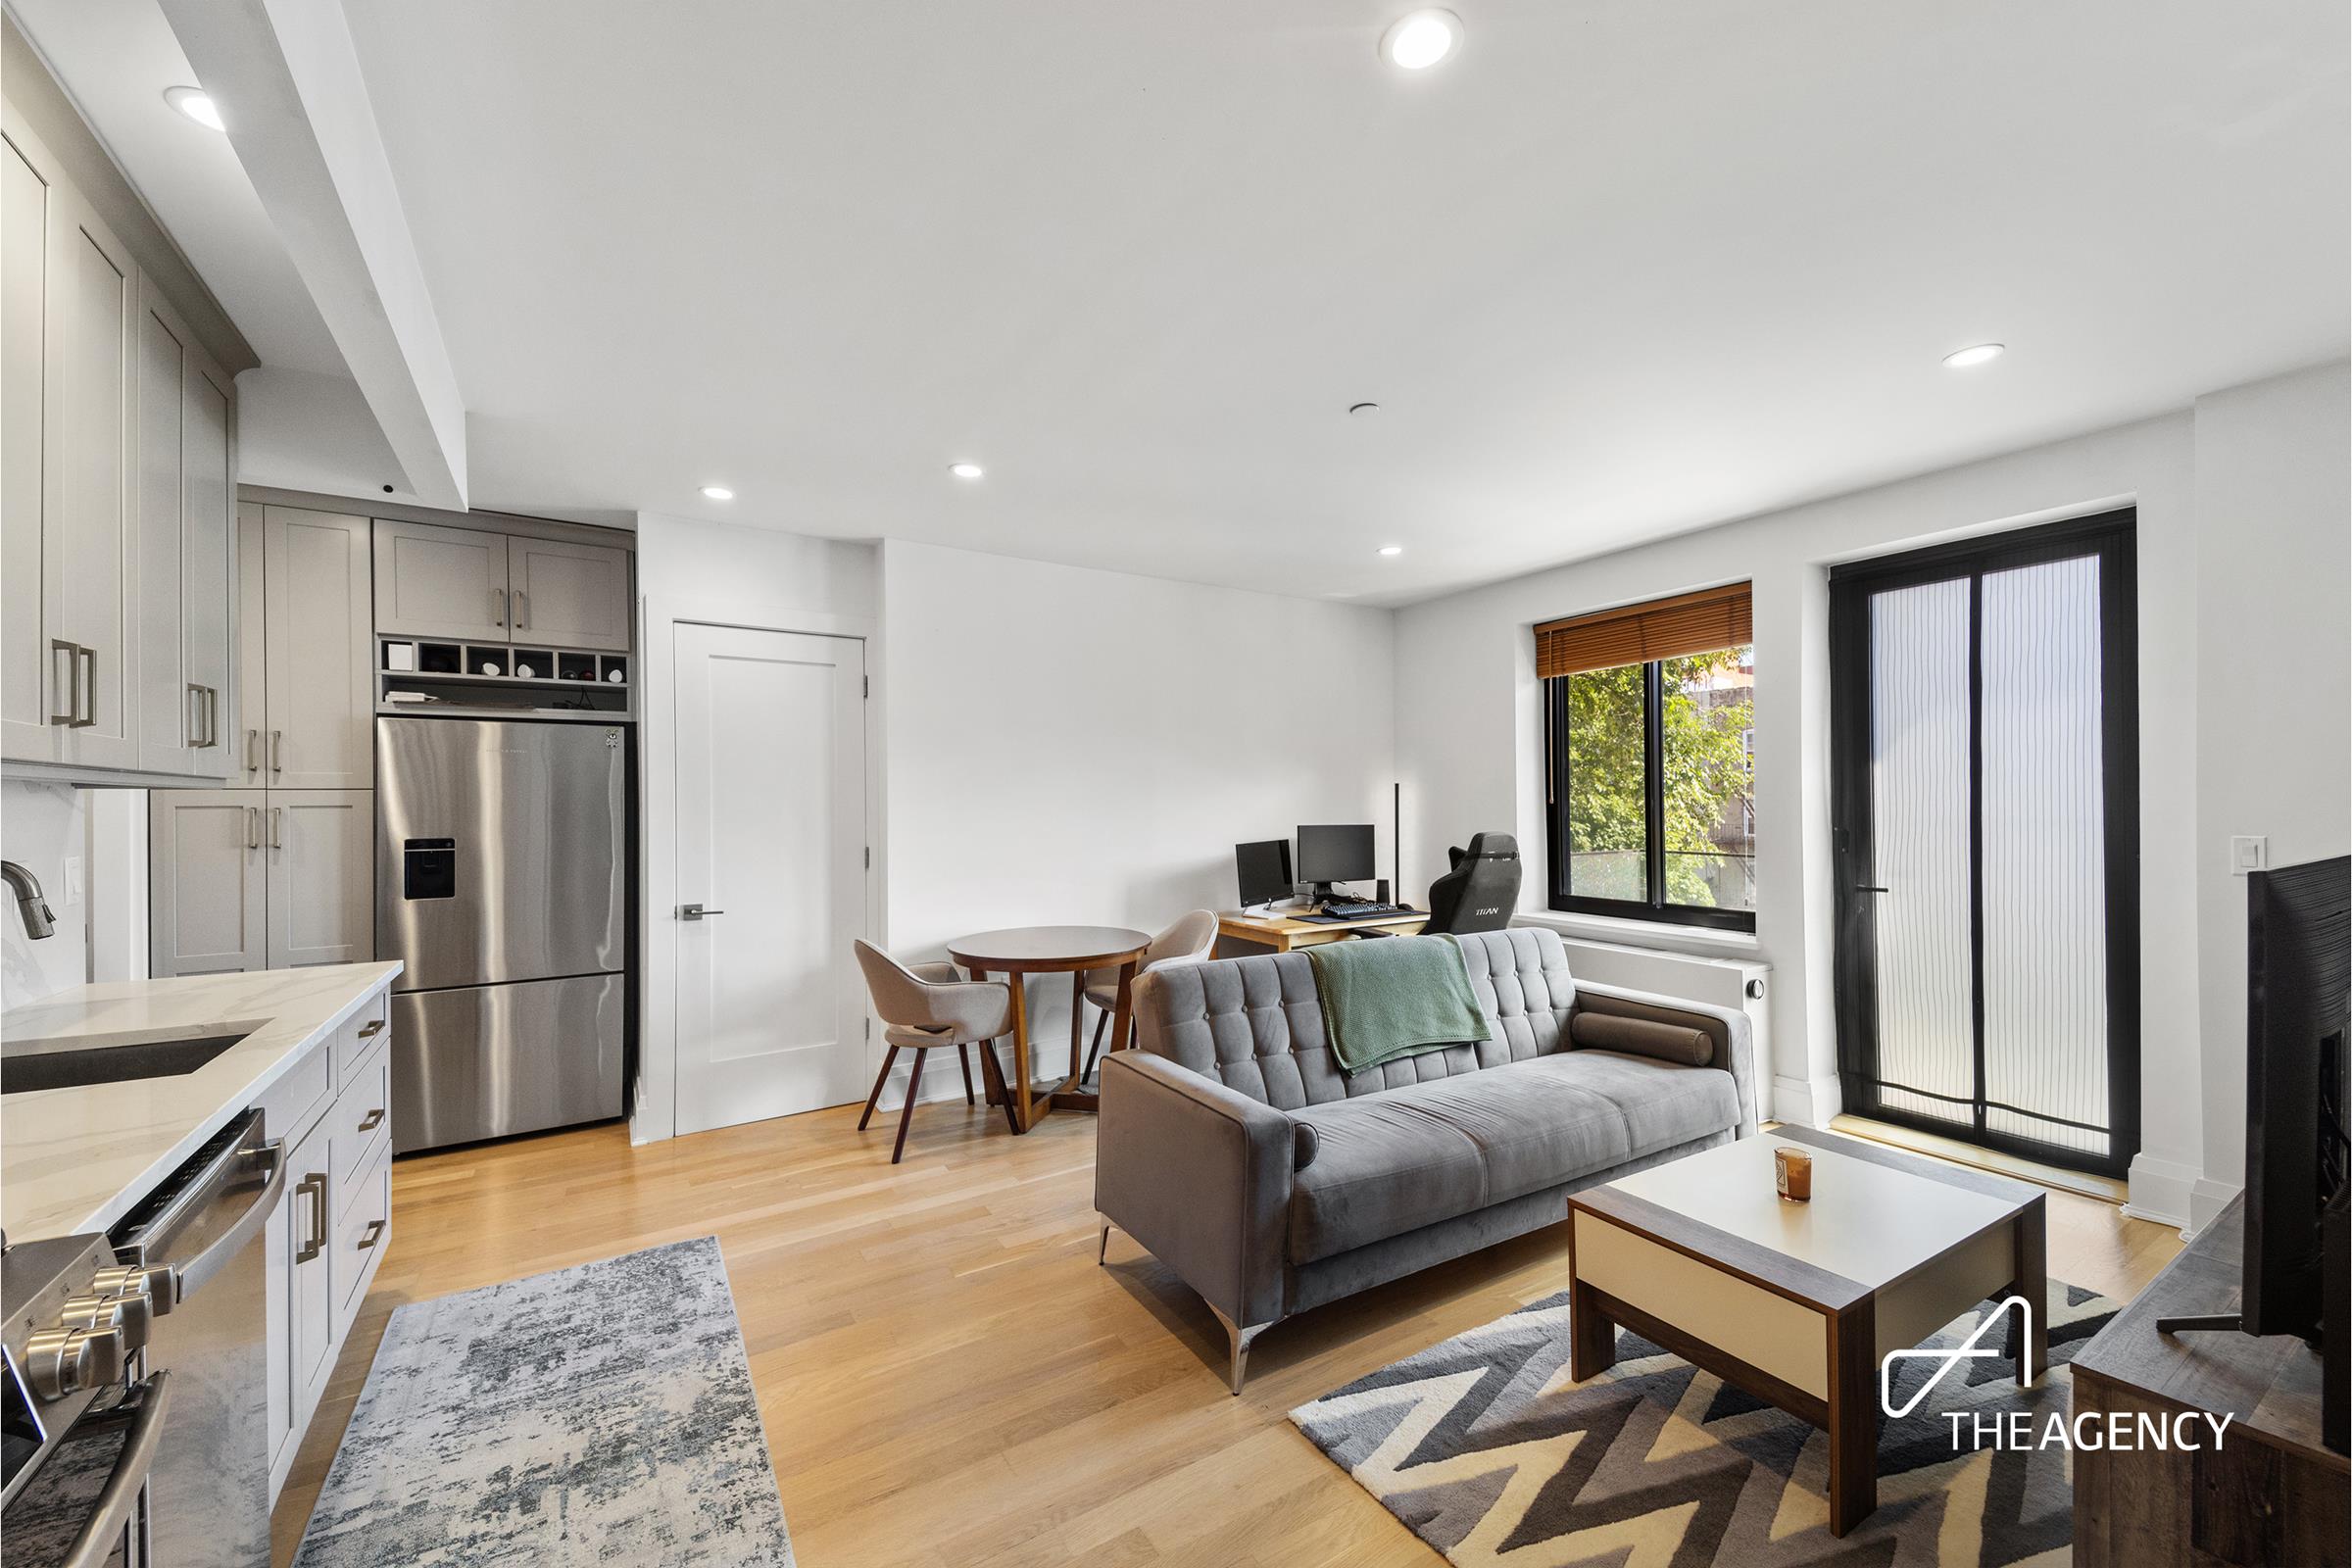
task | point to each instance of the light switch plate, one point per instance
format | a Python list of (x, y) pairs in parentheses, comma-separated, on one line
[(2249, 852), (73, 879)]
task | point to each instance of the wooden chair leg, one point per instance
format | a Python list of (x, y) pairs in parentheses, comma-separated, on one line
[(1095, 1054), (914, 1079), (964, 1060), (880, 1079), (992, 1072)]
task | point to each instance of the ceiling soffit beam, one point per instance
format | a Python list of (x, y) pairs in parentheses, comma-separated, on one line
[(287, 80)]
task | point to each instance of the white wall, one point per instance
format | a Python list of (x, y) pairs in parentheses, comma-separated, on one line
[(2273, 689), (1070, 746), (1470, 734), (727, 574), (42, 827)]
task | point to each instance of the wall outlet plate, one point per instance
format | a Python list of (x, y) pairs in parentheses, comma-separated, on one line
[(2249, 852)]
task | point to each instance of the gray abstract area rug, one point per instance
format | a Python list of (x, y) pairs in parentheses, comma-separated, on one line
[(600, 1414), (1484, 1449)]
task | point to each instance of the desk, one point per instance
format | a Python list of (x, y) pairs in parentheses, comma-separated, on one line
[(1070, 950), (1282, 933)]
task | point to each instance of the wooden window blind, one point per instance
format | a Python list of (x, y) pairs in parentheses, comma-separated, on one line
[(1634, 634)]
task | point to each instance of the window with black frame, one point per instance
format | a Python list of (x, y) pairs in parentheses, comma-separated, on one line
[(1650, 721)]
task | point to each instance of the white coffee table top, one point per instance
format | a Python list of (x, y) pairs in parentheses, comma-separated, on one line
[(1876, 1216)]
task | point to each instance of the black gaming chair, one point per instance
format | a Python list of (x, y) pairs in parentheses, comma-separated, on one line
[(1481, 890)]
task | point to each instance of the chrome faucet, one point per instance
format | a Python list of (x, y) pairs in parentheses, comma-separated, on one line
[(38, 920)]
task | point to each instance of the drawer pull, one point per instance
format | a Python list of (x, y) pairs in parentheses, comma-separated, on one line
[(315, 1185), (372, 1121), (375, 1027), (375, 1234)]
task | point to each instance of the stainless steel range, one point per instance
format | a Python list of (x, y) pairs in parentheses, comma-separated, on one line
[(501, 884), (136, 1387)]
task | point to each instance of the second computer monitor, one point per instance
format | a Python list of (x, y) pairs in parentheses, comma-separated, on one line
[(1331, 852)]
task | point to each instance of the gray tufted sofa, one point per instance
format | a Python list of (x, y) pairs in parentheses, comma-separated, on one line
[(1234, 1148)]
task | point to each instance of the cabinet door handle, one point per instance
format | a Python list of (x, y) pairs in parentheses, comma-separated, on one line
[(277, 839), (375, 1026), (371, 1122), (252, 736), (212, 717), (277, 763), (71, 682), (523, 609), (191, 716), (88, 657), (314, 1187), (500, 596), (375, 1234), (253, 827)]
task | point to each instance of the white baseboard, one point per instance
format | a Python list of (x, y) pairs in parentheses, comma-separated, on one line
[(1805, 1101), (2206, 1200), (2160, 1191)]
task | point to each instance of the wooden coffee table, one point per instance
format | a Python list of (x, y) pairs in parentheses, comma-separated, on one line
[(1798, 1302)]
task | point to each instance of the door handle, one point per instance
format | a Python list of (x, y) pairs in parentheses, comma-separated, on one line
[(212, 717), (88, 657), (251, 737), (695, 912), (277, 763), (1864, 887), (277, 839), (313, 1186), (500, 595), (72, 683), (523, 609), (192, 716), (253, 827)]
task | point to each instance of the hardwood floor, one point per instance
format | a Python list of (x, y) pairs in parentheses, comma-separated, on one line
[(946, 1375)]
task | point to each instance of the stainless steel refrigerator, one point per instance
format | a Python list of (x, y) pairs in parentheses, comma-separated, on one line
[(500, 882)]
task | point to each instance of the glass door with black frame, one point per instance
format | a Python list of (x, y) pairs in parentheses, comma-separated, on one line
[(1985, 782)]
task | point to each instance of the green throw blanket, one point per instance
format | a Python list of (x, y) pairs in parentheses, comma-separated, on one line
[(1395, 997)]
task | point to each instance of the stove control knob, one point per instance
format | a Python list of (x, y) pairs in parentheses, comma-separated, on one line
[(58, 1362), (128, 1315), (155, 1285)]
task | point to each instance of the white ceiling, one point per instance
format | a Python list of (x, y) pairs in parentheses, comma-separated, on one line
[(1619, 270)]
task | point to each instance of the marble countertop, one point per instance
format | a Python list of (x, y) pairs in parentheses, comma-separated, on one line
[(77, 1159)]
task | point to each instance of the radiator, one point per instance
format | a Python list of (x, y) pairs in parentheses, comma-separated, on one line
[(1740, 983)]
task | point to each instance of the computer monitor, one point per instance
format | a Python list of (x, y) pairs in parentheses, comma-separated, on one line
[(1265, 870), (1331, 852)]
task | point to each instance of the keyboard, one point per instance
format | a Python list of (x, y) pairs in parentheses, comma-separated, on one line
[(1364, 911)]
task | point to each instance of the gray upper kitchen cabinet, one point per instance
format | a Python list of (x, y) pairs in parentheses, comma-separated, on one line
[(310, 724), (71, 300), (432, 581), (567, 594), (321, 848), (208, 898), (25, 669), (186, 472)]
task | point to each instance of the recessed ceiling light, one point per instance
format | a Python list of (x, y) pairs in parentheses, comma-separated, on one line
[(196, 103), (1359, 409), (966, 470), (1982, 354), (718, 492), (1420, 39), (1392, 549)]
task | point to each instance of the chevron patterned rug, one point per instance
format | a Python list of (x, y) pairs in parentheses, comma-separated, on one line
[(1484, 1449)]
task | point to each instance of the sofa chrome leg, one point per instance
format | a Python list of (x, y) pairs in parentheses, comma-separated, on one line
[(1103, 1254), (1237, 1340)]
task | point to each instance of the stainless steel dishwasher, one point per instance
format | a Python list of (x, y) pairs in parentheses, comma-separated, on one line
[(200, 1239)]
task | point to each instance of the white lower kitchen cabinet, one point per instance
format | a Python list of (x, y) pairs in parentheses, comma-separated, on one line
[(335, 1221), (260, 879)]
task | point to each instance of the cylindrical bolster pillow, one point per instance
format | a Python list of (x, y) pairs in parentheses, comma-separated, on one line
[(1303, 1144), (1643, 1036)]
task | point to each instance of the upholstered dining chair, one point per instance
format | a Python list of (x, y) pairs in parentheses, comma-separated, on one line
[(1188, 941), (923, 1008)]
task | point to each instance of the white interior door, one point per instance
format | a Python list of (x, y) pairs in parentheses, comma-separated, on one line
[(772, 841)]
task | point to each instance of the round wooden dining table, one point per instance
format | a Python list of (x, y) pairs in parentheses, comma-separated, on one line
[(1072, 949)]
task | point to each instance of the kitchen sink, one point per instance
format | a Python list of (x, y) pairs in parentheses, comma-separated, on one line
[(31, 1064)]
